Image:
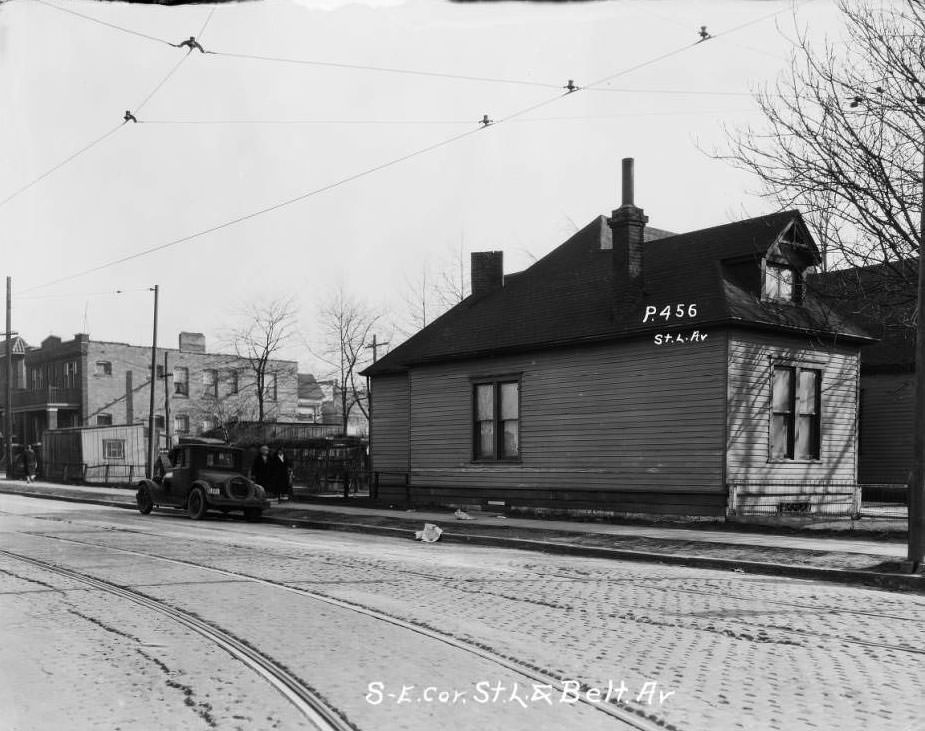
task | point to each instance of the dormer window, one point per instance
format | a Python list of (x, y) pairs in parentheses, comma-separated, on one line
[(780, 283)]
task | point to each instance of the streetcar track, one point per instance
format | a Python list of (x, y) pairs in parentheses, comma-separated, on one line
[(306, 699), (804, 634), (631, 717)]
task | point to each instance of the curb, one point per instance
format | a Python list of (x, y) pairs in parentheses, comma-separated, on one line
[(884, 580)]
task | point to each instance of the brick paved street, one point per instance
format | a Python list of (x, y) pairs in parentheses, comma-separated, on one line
[(719, 650)]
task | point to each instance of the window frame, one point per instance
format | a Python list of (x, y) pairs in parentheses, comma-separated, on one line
[(102, 368), (795, 412), (107, 443), (498, 456), (107, 419), (181, 385), (179, 419), (209, 386)]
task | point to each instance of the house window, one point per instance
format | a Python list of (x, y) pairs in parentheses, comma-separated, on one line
[(113, 449), (160, 371), (206, 425), (103, 368), (158, 421), (496, 420), (104, 419), (210, 383), (270, 387), (181, 424), (779, 282), (71, 373), (37, 378), (795, 417), (181, 381), (232, 382)]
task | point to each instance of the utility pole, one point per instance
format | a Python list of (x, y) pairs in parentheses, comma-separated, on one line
[(369, 409), (152, 442), (167, 402), (8, 411), (916, 553)]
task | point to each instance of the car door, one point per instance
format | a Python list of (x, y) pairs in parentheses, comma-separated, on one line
[(177, 480)]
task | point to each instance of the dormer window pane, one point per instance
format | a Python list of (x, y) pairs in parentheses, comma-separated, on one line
[(779, 282)]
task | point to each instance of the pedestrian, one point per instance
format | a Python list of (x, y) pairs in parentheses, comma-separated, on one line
[(261, 469), (282, 475), (30, 463)]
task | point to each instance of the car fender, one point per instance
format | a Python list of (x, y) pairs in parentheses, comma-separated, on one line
[(202, 485), (153, 488)]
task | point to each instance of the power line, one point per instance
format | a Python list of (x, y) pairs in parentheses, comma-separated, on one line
[(103, 22), (60, 165), (385, 69), (254, 214), (161, 82), (485, 123)]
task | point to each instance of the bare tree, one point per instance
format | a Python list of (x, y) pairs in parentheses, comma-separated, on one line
[(843, 136), (434, 290), (347, 327), (265, 330)]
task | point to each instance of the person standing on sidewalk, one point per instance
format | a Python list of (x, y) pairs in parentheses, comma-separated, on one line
[(281, 475), (262, 470), (30, 463)]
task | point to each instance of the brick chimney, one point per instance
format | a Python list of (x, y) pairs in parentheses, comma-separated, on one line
[(487, 271), (628, 224), (192, 342)]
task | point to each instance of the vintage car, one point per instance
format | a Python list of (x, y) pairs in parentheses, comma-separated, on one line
[(201, 476)]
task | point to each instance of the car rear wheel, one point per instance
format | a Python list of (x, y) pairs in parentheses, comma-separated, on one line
[(144, 500), (252, 515), (196, 506)]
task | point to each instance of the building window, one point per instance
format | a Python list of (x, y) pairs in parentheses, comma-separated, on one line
[(159, 370), (780, 282), (496, 433), (37, 378), (113, 449), (307, 413), (269, 388), (232, 382), (210, 383), (71, 373), (181, 381), (795, 417), (158, 421), (103, 368), (206, 425), (181, 424), (104, 419)]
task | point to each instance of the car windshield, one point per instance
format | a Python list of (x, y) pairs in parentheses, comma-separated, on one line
[(221, 458)]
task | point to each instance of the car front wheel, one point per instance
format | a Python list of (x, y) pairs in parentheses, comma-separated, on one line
[(144, 500), (196, 506)]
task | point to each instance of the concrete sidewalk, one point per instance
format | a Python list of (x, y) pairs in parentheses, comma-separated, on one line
[(849, 560)]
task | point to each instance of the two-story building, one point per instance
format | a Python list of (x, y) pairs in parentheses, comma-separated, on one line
[(628, 374), (84, 382)]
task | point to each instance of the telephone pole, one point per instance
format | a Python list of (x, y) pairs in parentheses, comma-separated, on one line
[(152, 442), (8, 411)]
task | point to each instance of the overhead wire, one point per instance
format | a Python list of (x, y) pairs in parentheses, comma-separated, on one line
[(387, 69), (103, 22), (485, 123), (112, 131)]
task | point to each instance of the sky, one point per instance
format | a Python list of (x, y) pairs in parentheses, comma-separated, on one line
[(392, 171)]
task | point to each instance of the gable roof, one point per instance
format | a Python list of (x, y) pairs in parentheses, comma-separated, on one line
[(18, 346), (569, 296)]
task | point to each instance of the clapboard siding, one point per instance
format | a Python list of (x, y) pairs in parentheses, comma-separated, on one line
[(748, 436), (887, 422), (390, 426), (628, 416)]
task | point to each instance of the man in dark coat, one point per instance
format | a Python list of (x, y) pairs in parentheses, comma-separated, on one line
[(280, 474), (30, 463), (262, 470)]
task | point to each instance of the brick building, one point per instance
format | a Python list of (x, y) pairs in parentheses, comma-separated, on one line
[(95, 383)]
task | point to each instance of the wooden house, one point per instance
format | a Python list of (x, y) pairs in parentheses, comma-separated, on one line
[(95, 454), (882, 297), (627, 374)]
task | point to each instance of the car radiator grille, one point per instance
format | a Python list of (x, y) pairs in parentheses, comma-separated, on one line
[(239, 489)]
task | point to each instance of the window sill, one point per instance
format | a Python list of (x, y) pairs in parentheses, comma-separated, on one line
[(787, 460), (502, 461)]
